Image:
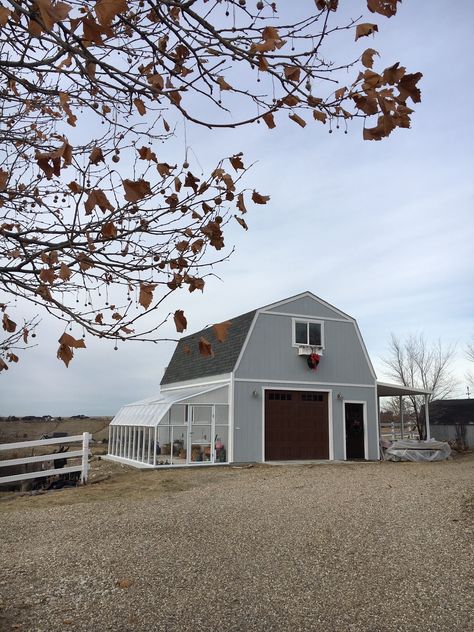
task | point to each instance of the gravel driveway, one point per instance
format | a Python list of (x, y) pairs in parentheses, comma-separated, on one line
[(369, 546)]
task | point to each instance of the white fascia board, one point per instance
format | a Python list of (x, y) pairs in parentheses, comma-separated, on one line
[(304, 295), (222, 379), (398, 388)]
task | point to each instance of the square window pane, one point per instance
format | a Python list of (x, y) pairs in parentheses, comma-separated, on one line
[(301, 333), (315, 334)]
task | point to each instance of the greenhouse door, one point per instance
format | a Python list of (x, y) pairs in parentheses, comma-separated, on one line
[(200, 434)]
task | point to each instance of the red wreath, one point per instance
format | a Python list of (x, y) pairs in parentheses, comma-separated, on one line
[(313, 361)]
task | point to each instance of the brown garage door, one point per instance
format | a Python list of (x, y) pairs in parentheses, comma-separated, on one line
[(296, 425)]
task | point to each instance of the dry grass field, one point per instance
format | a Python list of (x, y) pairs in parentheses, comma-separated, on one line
[(372, 547), (19, 430)]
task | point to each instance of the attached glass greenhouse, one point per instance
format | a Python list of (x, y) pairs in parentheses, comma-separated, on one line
[(178, 427)]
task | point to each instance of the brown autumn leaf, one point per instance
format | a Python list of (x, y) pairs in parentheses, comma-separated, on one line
[(205, 348), (223, 84), (291, 100), (241, 203), (180, 321), (51, 13), (408, 88), (140, 106), (117, 316), (8, 325), (368, 57), (320, 116), (4, 15), (75, 187), (292, 73), (47, 275), (12, 357), (259, 199), (65, 354), (64, 99), (96, 156), (197, 246), (242, 222), (107, 10), (195, 283), (25, 335), (269, 120), (297, 119), (136, 190), (221, 329), (109, 230), (388, 8), (4, 175), (67, 339), (393, 74), (156, 81), (124, 583), (363, 30), (3, 365), (99, 319), (146, 294), (43, 291), (146, 153), (64, 272), (236, 162), (368, 105), (97, 198)]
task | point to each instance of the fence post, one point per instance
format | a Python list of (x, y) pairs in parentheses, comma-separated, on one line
[(85, 457)]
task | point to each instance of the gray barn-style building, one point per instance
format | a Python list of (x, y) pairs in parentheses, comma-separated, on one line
[(292, 381)]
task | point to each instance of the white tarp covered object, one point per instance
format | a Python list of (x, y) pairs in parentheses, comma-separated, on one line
[(413, 450), (150, 411)]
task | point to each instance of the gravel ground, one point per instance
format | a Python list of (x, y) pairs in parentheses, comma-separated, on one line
[(369, 546)]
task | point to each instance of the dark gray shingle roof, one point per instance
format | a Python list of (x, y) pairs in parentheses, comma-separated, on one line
[(452, 411), (188, 366)]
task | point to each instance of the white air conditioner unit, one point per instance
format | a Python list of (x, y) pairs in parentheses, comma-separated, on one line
[(306, 350)]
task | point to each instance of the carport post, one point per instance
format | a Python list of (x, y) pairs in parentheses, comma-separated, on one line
[(427, 418), (400, 399), (154, 449)]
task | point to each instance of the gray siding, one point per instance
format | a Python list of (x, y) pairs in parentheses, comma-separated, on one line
[(308, 306), (219, 396), (269, 354), (249, 413), (451, 433)]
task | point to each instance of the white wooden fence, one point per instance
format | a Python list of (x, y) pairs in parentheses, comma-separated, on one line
[(83, 467)]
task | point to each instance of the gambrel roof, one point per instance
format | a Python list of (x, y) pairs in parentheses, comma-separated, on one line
[(187, 363)]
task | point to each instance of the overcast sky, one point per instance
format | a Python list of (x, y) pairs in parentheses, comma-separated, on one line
[(382, 230)]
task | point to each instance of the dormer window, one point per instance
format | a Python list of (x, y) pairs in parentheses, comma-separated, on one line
[(308, 333)]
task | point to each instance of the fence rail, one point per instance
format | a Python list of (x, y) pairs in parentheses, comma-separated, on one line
[(83, 467)]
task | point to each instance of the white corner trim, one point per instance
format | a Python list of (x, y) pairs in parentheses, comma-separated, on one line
[(231, 436)]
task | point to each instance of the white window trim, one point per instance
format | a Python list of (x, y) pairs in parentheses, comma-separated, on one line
[(306, 320)]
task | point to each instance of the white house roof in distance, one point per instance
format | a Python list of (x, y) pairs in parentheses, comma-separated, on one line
[(150, 411)]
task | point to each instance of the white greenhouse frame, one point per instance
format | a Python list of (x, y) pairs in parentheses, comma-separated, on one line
[(172, 430)]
